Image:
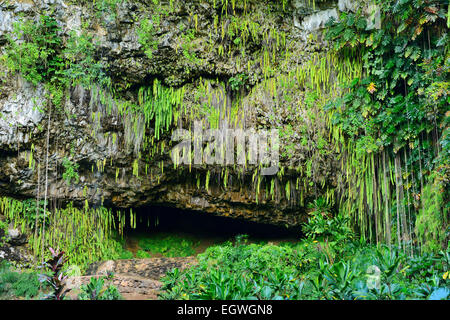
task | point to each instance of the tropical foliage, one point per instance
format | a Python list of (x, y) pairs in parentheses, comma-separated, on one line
[(395, 121), (310, 270)]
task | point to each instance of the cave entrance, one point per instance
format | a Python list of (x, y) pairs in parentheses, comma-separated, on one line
[(170, 226)]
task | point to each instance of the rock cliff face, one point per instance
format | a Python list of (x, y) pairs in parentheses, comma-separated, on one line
[(197, 48)]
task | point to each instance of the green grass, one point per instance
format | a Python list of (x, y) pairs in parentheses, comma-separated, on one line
[(126, 254), (168, 245), (14, 284)]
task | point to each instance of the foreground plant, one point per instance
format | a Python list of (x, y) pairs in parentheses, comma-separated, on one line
[(14, 283), (96, 290), (56, 278)]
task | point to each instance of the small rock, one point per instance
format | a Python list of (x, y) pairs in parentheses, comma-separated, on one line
[(319, 19), (14, 233)]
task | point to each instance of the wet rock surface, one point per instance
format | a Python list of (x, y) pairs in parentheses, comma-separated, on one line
[(13, 245)]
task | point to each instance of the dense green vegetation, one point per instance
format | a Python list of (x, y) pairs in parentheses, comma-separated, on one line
[(17, 284), (395, 122), (48, 284), (96, 290), (330, 263), (86, 234)]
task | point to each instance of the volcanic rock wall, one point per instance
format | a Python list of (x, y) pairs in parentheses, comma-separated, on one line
[(196, 49)]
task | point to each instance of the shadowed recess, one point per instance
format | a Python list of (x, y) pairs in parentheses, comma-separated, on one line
[(155, 219)]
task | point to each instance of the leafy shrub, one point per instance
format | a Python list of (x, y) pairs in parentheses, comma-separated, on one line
[(108, 6), (125, 254), (146, 35), (321, 224), (83, 67), (27, 285), (188, 48), (141, 254), (238, 272), (429, 227), (96, 290), (37, 56), (238, 81), (70, 171), (18, 284), (36, 51), (402, 77)]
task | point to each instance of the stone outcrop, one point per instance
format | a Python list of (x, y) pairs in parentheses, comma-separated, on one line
[(12, 245), (79, 133)]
